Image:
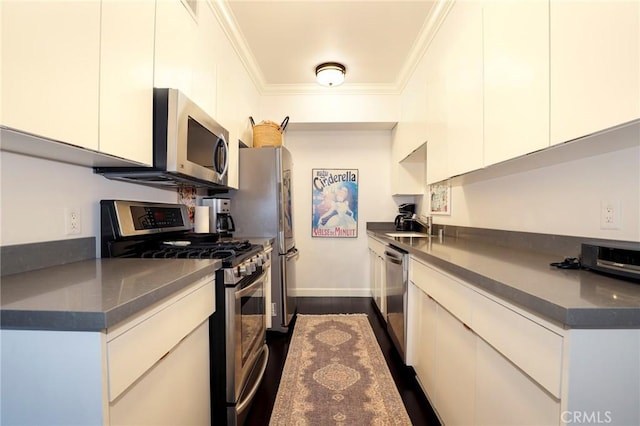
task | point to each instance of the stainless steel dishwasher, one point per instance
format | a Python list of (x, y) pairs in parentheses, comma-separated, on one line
[(397, 266)]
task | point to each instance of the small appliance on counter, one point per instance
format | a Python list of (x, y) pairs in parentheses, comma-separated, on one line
[(404, 221), (618, 259), (220, 218)]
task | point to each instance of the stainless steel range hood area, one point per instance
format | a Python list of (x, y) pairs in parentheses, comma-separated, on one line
[(189, 147), (157, 178)]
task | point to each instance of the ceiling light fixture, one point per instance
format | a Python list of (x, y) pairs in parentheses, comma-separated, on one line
[(330, 74)]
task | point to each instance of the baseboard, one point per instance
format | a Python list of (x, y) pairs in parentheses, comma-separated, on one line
[(332, 292)]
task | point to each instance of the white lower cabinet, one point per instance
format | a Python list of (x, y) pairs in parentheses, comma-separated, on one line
[(455, 366), (465, 378), (377, 274), (184, 373), (151, 369), (421, 343), (506, 396), (484, 361)]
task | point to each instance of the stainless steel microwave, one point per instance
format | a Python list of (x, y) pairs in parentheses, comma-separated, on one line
[(189, 147)]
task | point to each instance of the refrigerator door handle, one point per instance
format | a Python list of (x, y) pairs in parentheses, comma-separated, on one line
[(292, 253)]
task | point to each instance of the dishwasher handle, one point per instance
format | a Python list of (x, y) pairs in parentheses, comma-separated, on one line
[(392, 257)]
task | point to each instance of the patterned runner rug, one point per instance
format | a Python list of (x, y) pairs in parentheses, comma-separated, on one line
[(335, 374)]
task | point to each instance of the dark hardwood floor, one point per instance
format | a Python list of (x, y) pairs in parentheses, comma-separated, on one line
[(415, 402)]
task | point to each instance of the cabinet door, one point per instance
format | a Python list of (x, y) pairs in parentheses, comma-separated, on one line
[(176, 33), (507, 396), (454, 94), (205, 63), (437, 154), (174, 392), (413, 110), (516, 78), (407, 174), (463, 86), (50, 69), (595, 66), (455, 366), (373, 278), (126, 79), (381, 297), (425, 360)]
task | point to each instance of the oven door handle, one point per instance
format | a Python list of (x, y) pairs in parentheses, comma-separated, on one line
[(249, 288), (240, 407)]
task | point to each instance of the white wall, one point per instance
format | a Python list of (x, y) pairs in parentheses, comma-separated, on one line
[(563, 199), (334, 107), (35, 193), (339, 266)]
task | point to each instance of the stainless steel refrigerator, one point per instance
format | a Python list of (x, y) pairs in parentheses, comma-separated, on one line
[(263, 207)]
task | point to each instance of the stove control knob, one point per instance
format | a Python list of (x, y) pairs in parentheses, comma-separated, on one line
[(252, 266), (259, 260), (242, 270)]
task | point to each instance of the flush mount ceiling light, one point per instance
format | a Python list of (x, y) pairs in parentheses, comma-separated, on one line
[(330, 74)]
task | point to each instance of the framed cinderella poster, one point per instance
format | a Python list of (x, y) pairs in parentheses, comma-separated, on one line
[(335, 203)]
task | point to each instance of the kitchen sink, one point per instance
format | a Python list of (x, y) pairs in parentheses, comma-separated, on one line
[(407, 234)]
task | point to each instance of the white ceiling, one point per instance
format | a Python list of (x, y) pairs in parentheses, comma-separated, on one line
[(281, 42)]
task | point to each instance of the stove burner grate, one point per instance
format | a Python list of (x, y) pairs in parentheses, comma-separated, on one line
[(188, 253)]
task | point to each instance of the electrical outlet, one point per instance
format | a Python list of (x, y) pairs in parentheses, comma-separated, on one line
[(72, 220), (610, 214)]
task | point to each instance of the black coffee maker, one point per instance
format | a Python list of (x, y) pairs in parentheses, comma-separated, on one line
[(220, 218), (404, 221)]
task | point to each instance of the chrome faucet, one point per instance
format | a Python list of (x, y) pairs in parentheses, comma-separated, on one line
[(426, 221)]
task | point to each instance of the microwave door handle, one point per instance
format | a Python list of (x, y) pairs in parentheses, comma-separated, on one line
[(225, 146)]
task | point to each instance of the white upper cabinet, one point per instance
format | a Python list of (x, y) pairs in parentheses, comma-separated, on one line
[(50, 69), (462, 62), (413, 111), (204, 65), (126, 79), (409, 136), (176, 34), (454, 94), (407, 173), (516, 78), (595, 66), (437, 157)]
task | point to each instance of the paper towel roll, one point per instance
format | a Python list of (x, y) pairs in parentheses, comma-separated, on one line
[(201, 220)]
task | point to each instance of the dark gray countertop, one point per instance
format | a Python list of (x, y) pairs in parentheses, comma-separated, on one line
[(570, 298), (94, 294)]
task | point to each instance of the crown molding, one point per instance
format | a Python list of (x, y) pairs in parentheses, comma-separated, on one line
[(231, 29), (428, 32)]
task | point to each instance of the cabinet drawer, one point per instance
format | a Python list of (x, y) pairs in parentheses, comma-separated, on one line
[(449, 293), (532, 347), (136, 345), (376, 246)]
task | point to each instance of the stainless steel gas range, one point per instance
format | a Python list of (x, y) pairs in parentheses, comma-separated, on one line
[(237, 329)]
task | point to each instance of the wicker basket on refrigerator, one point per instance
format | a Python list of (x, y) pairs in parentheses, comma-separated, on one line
[(268, 133)]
